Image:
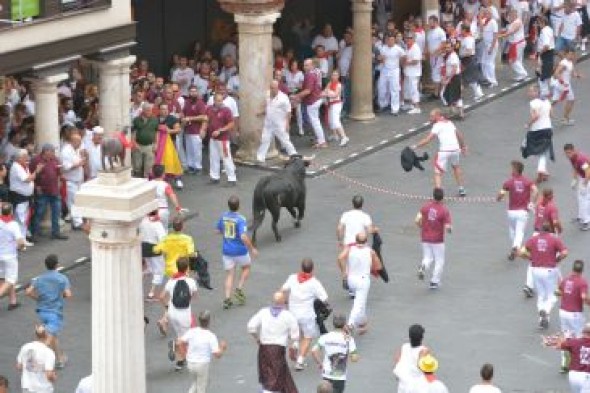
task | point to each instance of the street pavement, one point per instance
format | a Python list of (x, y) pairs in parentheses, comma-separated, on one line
[(478, 315)]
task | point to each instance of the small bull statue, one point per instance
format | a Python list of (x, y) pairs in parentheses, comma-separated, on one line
[(113, 149)]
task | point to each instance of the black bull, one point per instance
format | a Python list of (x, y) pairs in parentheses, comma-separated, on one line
[(285, 189)]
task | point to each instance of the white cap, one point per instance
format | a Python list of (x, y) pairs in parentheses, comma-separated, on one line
[(98, 130)]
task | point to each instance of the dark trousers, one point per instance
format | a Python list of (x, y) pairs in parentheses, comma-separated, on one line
[(337, 386), (41, 203)]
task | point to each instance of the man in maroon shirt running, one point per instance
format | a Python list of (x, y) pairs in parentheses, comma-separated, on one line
[(574, 294), (579, 350), (545, 251), (433, 219)]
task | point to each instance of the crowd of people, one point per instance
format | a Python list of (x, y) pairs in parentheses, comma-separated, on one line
[(175, 117)]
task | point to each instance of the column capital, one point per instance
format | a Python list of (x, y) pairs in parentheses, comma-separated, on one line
[(268, 18), (48, 82), (251, 6), (115, 64), (362, 5)]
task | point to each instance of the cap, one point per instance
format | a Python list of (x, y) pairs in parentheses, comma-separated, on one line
[(428, 364), (98, 130)]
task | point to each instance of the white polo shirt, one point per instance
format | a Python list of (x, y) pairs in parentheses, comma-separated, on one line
[(274, 329), (201, 345), (71, 157), (18, 183), (277, 109), (9, 235), (434, 38), (488, 31), (355, 221), (543, 109), (446, 132), (184, 78), (546, 38), (413, 53), (391, 59)]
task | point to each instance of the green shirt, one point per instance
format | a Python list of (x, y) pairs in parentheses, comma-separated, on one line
[(145, 130)]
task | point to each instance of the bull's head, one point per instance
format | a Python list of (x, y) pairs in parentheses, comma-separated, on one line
[(297, 163)]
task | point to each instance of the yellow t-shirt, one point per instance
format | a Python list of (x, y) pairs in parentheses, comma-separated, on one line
[(175, 245)]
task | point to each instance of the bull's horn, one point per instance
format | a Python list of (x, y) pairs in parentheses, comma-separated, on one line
[(283, 158), (310, 158)]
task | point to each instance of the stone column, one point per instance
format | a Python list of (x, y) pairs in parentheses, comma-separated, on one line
[(2, 91), (362, 64), (115, 203), (429, 7), (255, 62), (114, 93), (46, 109)]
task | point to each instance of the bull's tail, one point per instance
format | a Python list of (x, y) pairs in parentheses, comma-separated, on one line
[(258, 207)]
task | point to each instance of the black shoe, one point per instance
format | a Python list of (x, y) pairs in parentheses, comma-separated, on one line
[(76, 227), (32, 239), (59, 236), (213, 181), (232, 183), (205, 284), (13, 306)]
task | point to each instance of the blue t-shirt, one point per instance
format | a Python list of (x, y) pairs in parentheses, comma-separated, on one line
[(50, 287), (232, 225)]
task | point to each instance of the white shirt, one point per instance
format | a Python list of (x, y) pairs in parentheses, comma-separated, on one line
[(329, 44), (472, 8), (423, 386), (18, 175), (421, 40), (294, 81), (453, 65), (554, 4), (85, 385), (229, 49), (274, 330), (484, 389), (391, 58), (359, 261), (355, 221), (570, 23), (201, 344), (488, 31), (69, 158), (337, 348), (178, 313), (184, 78), (9, 235), (228, 102), (434, 38), (151, 230), (226, 73), (302, 295), (567, 67), (94, 159), (546, 38), (406, 368), (233, 84), (543, 109), (518, 35), (36, 359), (345, 60), (201, 84), (277, 109), (413, 53), (446, 132), (467, 46)]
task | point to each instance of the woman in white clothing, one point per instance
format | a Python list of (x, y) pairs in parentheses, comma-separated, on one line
[(406, 360), (294, 82), (333, 94)]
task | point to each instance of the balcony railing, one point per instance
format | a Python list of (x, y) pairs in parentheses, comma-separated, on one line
[(15, 13)]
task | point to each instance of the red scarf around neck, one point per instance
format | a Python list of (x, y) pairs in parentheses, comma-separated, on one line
[(303, 277)]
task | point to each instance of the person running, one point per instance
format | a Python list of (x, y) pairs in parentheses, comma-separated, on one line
[(428, 382), (545, 251), (36, 362), (573, 291), (433, 219), (356, 264), (521, 194), (406, 360), (563, 90), (50, 290), (152, 232), (353, 222), (451, 146), (11, 240), (581, 166), (237, 250), (303, 290), (337, 348), (164, 192), (85, 385), (540, 132), (486, 385), (200, 344), (177, 296), (546, 51)]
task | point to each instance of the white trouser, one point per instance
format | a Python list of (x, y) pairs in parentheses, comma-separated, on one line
[(572, 323), (544, 88), (156, 267), (434, 252), (218, 151), (545, 280), (359, 286), (476, 88), (488, 63), (529, 277), (542, 165), (388, 89), (583, 201), (313, 113), (268, 132), (194, 151), (411, 91), (579, 382), (517, 220), (516, 65), (180, 148), (72, 189), (20, 214), (299, 116), (334, 112), (199, 373)]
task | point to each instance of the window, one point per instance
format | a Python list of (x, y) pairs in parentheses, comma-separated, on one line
[(14, 12)]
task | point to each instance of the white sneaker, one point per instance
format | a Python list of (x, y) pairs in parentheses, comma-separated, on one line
[(344, 141), (478, 97), (29, 244), (179, 184), (568, 122), (414, 111)]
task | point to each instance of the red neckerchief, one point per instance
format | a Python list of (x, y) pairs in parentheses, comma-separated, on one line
[(467, 34), (430, 377), (418, 30), (6, 219), (333, 85), (486, 21), (303, 277), (178, 275)]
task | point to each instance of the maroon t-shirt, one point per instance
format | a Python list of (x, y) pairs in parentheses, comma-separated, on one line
[(191, 109), (545, 212), (544, 248), (174, 108), (571, 289), (579, 161), (519, 192), (48, 179), (435, 216), (218, 118), (579, 348), (312, 82)]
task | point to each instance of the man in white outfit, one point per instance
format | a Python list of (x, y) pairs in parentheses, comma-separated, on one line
[(73, 160), (435, 37), (516, 44), (489, 37), (392, 56), (353, 222), (412, 74), (356, 263), (276, 122), (22, 185)]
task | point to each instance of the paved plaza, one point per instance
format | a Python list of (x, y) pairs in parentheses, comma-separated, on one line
[(478, 315)]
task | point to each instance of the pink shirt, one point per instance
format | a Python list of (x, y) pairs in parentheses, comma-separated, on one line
[(219, 117), (544, 248), (435, 216), (572, 289), (312, 82), (580, 162), (545, 212), (519, 192), (191, 109)]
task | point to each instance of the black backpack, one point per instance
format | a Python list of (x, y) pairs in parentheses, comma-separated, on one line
[(181, 296)]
